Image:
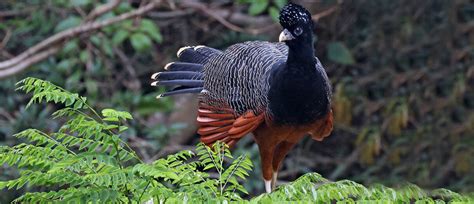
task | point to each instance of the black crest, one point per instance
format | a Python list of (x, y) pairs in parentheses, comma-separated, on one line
[(293, 14)]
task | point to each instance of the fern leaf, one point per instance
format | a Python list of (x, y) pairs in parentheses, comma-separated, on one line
[(48, 92), (39, 138), (74, 195)]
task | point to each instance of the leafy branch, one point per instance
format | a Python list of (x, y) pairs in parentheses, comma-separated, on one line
[(86, 160), (52, 45)]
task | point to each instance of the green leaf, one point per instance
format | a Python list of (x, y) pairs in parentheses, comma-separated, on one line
[(107, 47), (274, 13), (69, 22), (80, 2), (150, 28), (111, 119), (108, 127), (92, 86), (3, 184), (71, 45), (140, 42), (339, 53), (84, 56), (95, 39), (280, 3), (122, 128), (66, 64), (258, 6), (119, 37)]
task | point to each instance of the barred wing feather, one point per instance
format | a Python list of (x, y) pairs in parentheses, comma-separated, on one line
[(234, 98), (238, 76)]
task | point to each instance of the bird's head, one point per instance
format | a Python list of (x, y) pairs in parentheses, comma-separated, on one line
[(297, 24)]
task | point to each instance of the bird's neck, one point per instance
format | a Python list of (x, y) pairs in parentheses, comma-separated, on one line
[(301, 53), (297, 92)]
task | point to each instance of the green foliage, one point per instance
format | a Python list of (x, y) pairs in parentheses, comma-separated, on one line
[(70, 22), (101, 64), (402, 70), (226, 183), (313, 188), (339, 53), (260, 6), (399, 108), (86, 160), (140, 42)]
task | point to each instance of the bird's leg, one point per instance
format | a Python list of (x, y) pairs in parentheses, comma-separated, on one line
[(267, 140), (280, 152), (274, 179), (266, 155)]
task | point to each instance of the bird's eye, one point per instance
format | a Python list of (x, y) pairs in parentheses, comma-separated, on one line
[(298, 31)]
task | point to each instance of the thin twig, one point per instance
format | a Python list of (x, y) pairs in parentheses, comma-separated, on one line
[(325, 13), (25, 64), (213, 15), (24, 60), (129, 67), (11, 13), (8, 34), (102, 9)]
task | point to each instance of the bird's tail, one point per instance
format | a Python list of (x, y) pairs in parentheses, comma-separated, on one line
[(186, 75)]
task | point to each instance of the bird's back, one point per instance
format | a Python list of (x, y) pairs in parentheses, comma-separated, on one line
[(238, 76)]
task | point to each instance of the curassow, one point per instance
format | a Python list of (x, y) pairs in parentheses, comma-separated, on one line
[(278, 91)]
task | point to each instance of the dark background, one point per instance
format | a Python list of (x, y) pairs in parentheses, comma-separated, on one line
[(402, 74)]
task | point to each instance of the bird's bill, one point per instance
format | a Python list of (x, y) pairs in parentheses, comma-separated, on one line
[(285, 35)]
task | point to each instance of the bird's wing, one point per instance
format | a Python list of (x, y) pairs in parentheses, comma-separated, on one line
[(321, 70), (221, 124), (234, 99), (238, 76)]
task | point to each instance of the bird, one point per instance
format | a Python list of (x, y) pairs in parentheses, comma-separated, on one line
[(277, 91)]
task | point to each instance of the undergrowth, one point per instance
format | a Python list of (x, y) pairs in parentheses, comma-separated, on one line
[(86, 160)]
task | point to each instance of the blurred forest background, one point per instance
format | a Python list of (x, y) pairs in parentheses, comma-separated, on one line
[(402, 74)]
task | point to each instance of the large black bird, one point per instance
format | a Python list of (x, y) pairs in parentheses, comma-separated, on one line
[(278, 91)]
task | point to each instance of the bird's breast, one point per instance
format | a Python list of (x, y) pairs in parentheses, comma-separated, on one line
[(298, 99)]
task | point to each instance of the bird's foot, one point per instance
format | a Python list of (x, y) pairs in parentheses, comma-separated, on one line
[(274, 180), (268, 186)]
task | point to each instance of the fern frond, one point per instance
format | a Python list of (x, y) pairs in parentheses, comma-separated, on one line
[(110, 177), (155, 171), (87, 161), (74, 195), (93, 135), (64, 112), (90, 145), (239, 168), (40, 138), (37, 178), (24, 155), (98, 158), (48, 92), (446, 194), (116, 116)]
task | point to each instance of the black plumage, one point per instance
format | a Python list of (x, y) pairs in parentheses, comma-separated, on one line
[(278, 91), (284, 79)]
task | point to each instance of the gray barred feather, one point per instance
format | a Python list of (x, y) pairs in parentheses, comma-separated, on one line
[(322, 71), (238, 76), (196, 54), (187, 75), (184, 66)]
